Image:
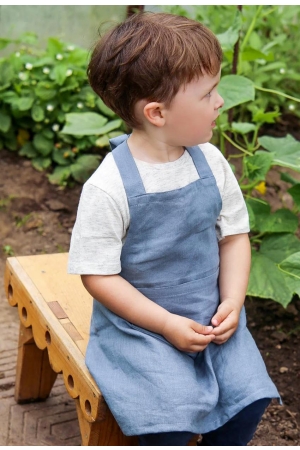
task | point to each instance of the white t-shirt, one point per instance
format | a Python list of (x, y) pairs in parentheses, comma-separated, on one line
[(103, 215)]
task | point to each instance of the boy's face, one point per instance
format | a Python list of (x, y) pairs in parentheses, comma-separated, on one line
[(190, 119)]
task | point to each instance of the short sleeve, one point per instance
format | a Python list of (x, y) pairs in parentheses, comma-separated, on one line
[(233, 218), (96, 240)]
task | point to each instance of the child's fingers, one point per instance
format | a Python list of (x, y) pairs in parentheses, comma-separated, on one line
[(201, 329), (223, 311)]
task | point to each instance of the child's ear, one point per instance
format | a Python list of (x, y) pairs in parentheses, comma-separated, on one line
[(154, 113)]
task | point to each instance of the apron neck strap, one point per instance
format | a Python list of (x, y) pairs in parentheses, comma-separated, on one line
[(130, 175), (203, 169)]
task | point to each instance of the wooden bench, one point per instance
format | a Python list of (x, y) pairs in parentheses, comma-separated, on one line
[(55, 310)]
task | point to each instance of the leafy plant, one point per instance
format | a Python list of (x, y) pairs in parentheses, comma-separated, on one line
[(250, 37), (41, 93)]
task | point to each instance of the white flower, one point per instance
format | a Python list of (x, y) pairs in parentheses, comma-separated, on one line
[(79, 105), (292, 107), (50, 107), (55, 127), (46, 70), (70, 48), (18, 54), (69, 72), (22, 76), (282, 70), (28, 66), (59, 56)]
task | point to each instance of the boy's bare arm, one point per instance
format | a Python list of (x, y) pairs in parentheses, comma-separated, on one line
[(119, 296), (235, 261)]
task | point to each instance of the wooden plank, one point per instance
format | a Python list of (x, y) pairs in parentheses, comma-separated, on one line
[(57, 310), (49, 274)]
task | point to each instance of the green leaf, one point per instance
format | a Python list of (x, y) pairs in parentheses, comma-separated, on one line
[(235, 90), (45, 90), (279, 246), (243, 127), (83, 168), (251, 54), (267, 281), (58, 156), (59, 74), (110, 126), (261, 211), (102, 141), (28, 150), (41, 163), (5, 122), (47, 133), (258, 165), (43, 145), (54, 46), (83, 124), (24, 103), (260, 116), (104, 109), (59, 175), (286, 150), (281, 221), (231, 35), (37, 113), (294, 191), (291, 265), (78, 57)]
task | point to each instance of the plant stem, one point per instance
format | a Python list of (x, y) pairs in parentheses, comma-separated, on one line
[(235, 145), (250, 29), (272, 91)]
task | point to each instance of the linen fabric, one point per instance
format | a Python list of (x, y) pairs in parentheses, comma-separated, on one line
[(103, 216), (171, 255)]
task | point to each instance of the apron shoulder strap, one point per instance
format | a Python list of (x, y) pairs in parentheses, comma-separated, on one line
[(200, 162), (130, 175)]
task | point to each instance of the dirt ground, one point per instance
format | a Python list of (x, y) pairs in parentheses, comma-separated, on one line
[(37, 217)]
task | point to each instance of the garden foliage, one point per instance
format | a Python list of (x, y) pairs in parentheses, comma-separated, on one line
[(50, 114)]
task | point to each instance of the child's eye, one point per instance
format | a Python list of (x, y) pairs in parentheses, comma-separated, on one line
[(209, 94)]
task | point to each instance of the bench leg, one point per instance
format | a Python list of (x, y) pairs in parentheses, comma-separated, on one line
[(103, 433), (35, 377)]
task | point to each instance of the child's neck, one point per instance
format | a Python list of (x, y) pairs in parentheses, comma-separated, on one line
[(152, 150)]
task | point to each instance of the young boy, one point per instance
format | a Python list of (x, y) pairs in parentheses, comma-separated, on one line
[(161, 242)]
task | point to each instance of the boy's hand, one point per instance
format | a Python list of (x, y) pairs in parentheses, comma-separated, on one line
[(225, 321), (186, 334)]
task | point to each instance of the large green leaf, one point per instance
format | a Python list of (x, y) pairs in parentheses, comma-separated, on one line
[(59, 73), (28, 150), (6, 72), (235, 90), (110, 126), (280, 221), (267, 281), (266, 278), (291, 265), (286, 150), (83, 124), (104, 109), (37, 113), (243, 127), (54, 46)]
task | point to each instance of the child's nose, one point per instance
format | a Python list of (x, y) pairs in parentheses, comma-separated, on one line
[(220, 102)]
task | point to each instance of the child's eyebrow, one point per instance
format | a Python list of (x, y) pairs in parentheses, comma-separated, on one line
[(212, 87)]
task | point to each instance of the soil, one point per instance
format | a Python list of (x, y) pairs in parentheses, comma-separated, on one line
[(37, 217)]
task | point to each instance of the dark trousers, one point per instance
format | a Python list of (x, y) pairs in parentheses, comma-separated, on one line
[(238, 431)]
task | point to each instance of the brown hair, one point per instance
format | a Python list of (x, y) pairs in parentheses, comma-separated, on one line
[(150, 56)]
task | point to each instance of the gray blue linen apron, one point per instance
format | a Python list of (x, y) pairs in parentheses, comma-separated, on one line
[(171, 255)]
